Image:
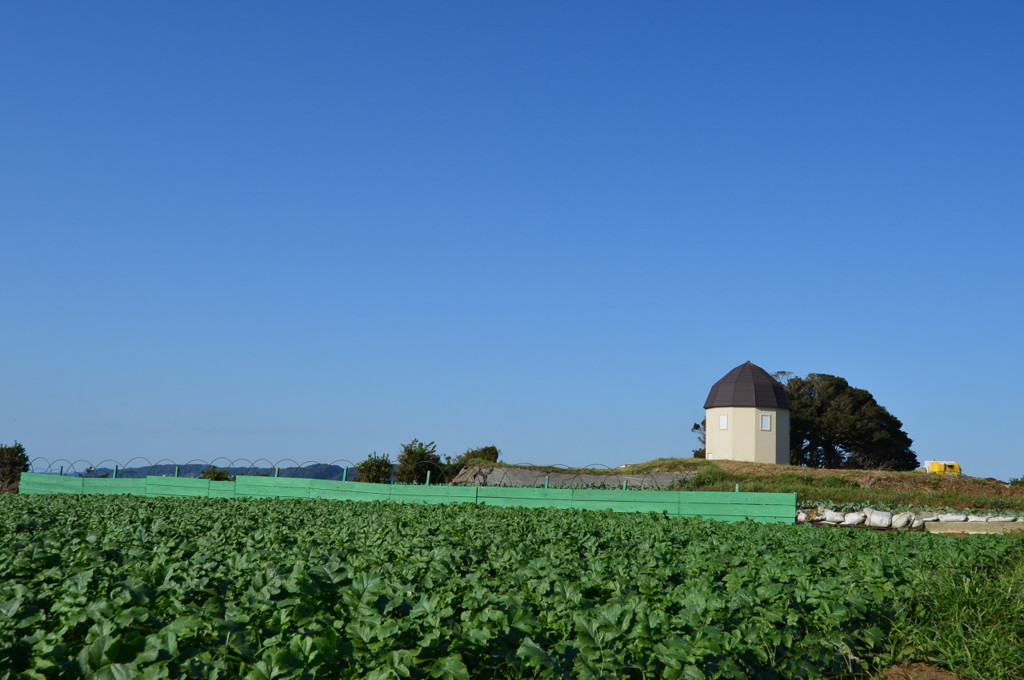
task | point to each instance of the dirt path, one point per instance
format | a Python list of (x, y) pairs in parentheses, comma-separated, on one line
[(917, 671)]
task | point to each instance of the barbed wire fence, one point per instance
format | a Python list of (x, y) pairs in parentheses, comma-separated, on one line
[(549, 475)]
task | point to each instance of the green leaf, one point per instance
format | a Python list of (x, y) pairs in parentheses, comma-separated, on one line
[(183, 625), (534, 654), (450, 667)]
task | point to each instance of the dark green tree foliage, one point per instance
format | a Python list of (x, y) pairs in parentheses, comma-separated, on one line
[(415, 460), (700, 429), (477, 456), (375, 469), (216, 474), (484, 454), (13, 462), (834, 425)]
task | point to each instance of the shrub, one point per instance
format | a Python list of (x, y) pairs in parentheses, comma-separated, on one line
[(375, 469), (13, 462), (216, 474), (480, 455), (1017, 481), (485, 454), (414, 462), (708, 478)]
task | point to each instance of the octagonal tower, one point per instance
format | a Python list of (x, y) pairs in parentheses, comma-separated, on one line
[(748, 417)]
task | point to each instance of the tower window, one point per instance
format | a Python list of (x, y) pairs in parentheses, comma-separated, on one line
[(723, 422), (766, 422)]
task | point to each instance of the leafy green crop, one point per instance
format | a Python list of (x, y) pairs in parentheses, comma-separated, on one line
[(130, 587)]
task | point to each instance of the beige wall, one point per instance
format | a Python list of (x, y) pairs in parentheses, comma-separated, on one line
[(744, 439)]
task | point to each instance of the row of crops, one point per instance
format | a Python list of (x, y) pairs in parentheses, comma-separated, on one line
[(122, 587)]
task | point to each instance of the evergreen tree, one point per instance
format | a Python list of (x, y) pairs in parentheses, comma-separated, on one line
[(834, 425), (13, 462), (415, 460)]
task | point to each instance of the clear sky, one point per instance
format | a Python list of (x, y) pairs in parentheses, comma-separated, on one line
[(317, 230)]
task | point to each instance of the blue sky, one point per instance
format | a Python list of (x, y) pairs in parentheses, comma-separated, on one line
[(313, 231)]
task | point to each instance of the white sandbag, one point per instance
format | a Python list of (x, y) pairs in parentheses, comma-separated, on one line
[(902, 520), (879, 519), (853, 519), (833, 516)]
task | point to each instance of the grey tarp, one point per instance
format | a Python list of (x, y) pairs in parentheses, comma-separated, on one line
[(506, 476)]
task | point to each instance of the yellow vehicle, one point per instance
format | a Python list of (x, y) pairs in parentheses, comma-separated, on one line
[(942, 467)]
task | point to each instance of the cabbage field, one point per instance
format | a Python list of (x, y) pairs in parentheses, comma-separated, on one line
[(129, 587)]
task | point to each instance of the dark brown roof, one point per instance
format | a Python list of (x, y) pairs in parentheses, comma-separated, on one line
[(748, 385)]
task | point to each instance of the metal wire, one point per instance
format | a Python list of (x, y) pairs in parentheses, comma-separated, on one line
[(343, 468)]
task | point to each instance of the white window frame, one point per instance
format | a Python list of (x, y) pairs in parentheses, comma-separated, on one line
[(768, 417), (723, 421)]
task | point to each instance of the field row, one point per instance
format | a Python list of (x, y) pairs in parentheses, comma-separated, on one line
[(96, 586)]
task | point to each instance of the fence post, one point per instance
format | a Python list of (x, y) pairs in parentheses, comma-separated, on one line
[(176, 470), (428, 477), (624, 482), (115, 472), (737, 487), (344, 475), (547, 479), (276, 471), (60, 472)]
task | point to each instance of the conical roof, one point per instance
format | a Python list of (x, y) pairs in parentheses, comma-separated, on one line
[(747, 385)]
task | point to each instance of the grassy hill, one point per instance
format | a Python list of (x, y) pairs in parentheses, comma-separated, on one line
[(837, 488)]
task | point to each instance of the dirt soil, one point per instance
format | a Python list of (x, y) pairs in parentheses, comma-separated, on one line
[(917, 671)]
